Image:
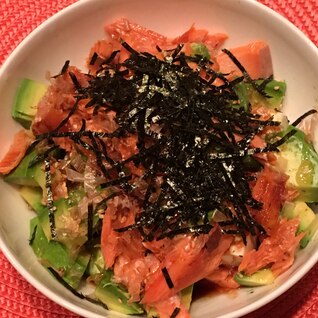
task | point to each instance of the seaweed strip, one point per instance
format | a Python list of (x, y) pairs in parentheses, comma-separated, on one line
[(93, 59), (42, 156), (65, 120), (33, 235), (50, 202), (103, 203), (64, 69), (64, 283), (175, 312), (281, 141), (245, 73), (73, 290), (167, 277), (75, 81), (302, 117)]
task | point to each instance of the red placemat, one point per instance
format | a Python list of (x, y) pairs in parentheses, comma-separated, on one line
[(17, 297)]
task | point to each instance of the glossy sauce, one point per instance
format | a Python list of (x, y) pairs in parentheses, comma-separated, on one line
[(205, 288)]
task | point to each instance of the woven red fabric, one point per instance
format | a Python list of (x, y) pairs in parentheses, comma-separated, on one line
[(18, 298)]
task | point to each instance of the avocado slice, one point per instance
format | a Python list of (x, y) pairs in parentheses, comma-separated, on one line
[(310, 232), (200, 49), (261, 277), (307, 217), (96, 263), (69, 232), (56, 255), (73, 239), (299, 160), (114, 297), (27, 176), (33, 196), (28, 96)]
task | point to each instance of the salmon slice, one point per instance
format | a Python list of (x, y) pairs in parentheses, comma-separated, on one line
[(277, 251), (120, 212), (202, 253), (213, 42), (270, 189), (137, 36), (16, 152), (255, 57), (224, 277)]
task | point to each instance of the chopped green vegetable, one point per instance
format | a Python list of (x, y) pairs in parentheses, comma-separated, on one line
[(29, 94), (259, 278), (115, 297), (200, 49), (56, 255)]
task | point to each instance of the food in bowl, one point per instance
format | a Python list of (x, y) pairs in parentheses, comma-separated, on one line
[(168, 162)]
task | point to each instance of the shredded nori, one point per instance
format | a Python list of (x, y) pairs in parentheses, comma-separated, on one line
[(175, 312), (93, 59), (50, 201), (33, 235), (73, 290), (302, 117), (63, 70), (167, 277), (195, 152)]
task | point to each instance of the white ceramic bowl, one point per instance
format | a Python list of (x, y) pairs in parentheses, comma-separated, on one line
[(70, 34)]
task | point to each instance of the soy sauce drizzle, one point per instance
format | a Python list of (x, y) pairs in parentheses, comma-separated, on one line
[(195, 150)]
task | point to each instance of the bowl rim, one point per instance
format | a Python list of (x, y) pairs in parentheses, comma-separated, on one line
[(291, 281)]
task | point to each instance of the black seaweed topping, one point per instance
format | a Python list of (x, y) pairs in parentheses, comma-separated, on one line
[(73, 290), (93, 59), (33, 235), (63, 70), (50, 202), (298, 120), (167, 277), (187, 135), (175, 312)]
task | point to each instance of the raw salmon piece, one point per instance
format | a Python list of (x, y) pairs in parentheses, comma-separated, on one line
[(276, 251), (120, 212), (255, 57), (132, 272), (212, 41), (270, 189), (103, 49), (224, 277), (137, 36), (57, 102), (16, 152), (202, 253)]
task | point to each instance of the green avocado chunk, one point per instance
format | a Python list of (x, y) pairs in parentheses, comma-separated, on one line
[(56, 255), (28, 96), (261, 277), (275, 91), (28, 176), (299, 160), (200, 49), (33, 196), (70, 232), (307, 218), (114, 297)]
